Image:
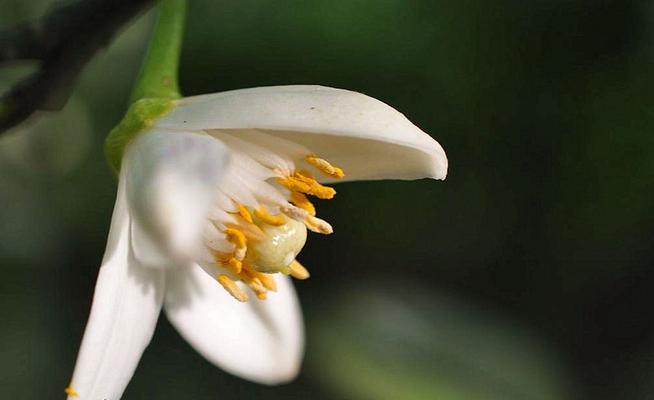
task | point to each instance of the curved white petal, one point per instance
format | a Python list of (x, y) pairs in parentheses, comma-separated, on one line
[(126, 306), (368, 138), (261, 341), (172, 180)]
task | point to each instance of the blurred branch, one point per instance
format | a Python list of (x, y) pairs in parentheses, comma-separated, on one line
[(64, 41)]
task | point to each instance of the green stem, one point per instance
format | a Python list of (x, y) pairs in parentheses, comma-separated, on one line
[(158, 77), (157, 86)]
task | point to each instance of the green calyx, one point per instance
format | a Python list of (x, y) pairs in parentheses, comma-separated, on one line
[(140, 116)]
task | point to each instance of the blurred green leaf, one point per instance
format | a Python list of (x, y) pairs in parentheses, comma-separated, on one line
[(403, 341)]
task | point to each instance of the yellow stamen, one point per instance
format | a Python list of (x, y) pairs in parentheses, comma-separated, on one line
[(250, 231), (255, 284), (324, 166), (244, 213), (318, 225), (251, 278), (263, 214), (221, 257), (300, 200), (234, 265), (236, 237), (232, 288), (268, 281), (298, 271), (303, 182), (70, 391), (228, 261), (261, 295)]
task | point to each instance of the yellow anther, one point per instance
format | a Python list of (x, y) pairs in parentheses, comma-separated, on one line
[(256, 285), (263, 214), (250, 231), (70, 391), (324, 166), (303, 182), (298, 271), (234, 265), (261, 295), (229, 261), (257, 281), (221, 257), (300, 200), (318, 225), (244, 213), (236, 237), (232, 288), (268, 281)]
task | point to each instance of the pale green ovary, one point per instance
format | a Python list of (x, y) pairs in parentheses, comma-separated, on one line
[(279, 248)]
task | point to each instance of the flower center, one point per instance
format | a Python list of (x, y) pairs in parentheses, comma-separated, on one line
[(262, 217)]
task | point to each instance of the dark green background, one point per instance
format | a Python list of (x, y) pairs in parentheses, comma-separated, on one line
[(527, 274)]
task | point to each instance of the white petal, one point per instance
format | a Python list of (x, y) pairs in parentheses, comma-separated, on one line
[(368, 138), (261, 341), (172, 180), (126, 305)]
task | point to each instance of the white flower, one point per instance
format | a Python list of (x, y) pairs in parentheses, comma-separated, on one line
[(212, 205)]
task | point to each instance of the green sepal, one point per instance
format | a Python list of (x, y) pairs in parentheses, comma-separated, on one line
[(140, 116)]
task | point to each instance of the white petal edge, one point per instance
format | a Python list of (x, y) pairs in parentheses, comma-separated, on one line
[(172, 180), (367, 137), (261, 341), (126, 306)]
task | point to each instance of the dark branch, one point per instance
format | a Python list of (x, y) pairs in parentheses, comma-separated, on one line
[(64, 41)]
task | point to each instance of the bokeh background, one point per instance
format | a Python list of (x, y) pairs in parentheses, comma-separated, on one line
[(527, 274)]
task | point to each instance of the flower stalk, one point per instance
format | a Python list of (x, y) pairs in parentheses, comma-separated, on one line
[(158, 77), (157, 84)]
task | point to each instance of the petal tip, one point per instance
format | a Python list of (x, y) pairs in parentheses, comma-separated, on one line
[(281, 376)]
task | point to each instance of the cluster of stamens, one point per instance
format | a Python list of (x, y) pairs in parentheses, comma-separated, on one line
[(265, 243)]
